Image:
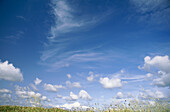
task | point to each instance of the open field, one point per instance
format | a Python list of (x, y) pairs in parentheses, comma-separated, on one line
[(136, 108), (29, 109)]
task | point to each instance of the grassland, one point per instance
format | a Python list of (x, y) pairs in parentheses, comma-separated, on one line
[(132, 106), (41, 109), (29, 109)]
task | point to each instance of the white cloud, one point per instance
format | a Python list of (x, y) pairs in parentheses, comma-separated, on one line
[(77, 57), (33, 94), (22, 92), (52, 88), (69, 76), (129, 95), (110, 83), (122, 71), (160, 64), (84, 95), (75, 105), (119, 95), (44, 98), (59, 96), (72, 85), (5, 96), (149, 75), (152, 11), (91, 77), (5, 99), (65, 21), (5, 91), (72, 97), (163, 81), (25, 93), (144, 6), (159, 94), (37, 81), (9, 72), (70, 106), (151, 94), (34, 87)]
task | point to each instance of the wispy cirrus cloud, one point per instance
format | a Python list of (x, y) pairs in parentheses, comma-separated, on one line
[(76, 57), (66, 19), (156, 11), (61, 46)]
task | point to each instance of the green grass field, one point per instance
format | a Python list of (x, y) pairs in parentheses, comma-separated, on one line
[(134, 108), (126, 106), (29, 109)]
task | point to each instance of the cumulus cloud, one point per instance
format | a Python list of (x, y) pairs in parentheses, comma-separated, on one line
[(69, 76), (151, 94), (72, 97), (72, 106), (84, 95), (44, 98), (59, 96), (73, 85), (110, 83), (5, 96), (52, 88), (119, 95), (122, 71), (5, 99), (37, 81), (5, 91), (149, 75), (162, 81), (91, 76), (24, 93), (160, 64), (9, 72)]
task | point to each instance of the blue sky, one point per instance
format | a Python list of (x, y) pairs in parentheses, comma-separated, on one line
[(72, 52)]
